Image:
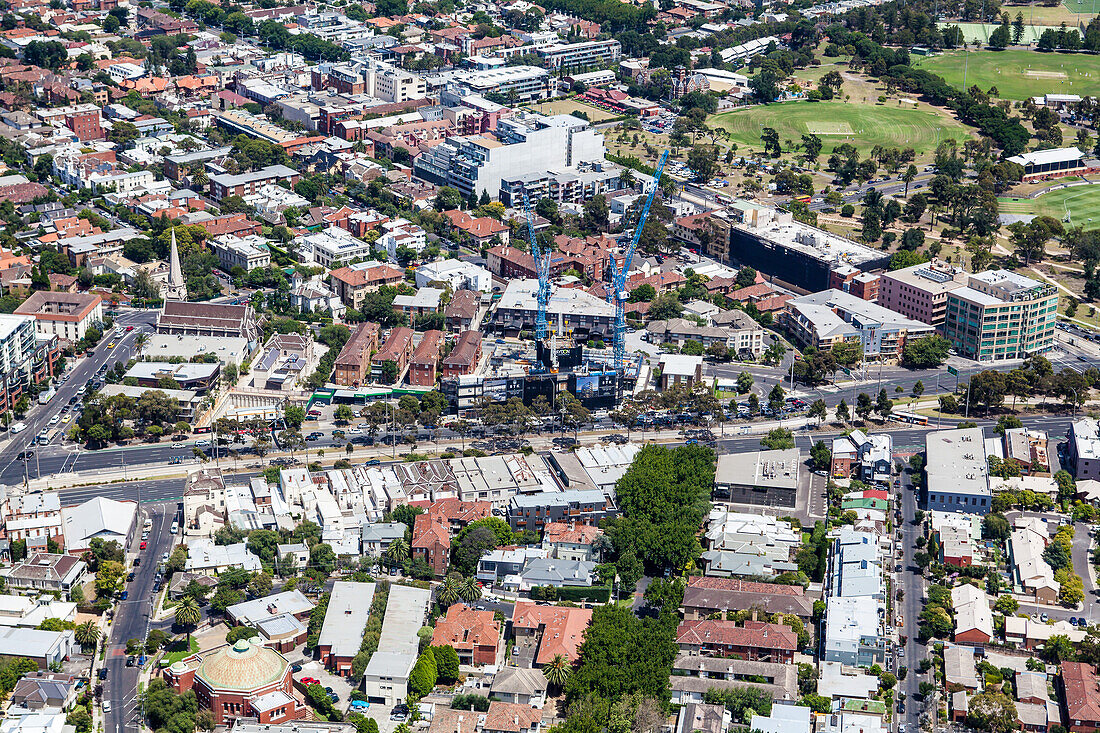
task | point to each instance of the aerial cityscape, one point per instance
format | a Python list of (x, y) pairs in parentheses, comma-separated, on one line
[(573, 366)]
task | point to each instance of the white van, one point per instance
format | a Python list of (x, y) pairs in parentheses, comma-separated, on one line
[(18, 427)]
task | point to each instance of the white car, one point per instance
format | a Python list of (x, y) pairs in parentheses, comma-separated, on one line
[(55, 420), (106, 706)]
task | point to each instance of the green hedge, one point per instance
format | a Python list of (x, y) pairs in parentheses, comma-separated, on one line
[(593, 594)]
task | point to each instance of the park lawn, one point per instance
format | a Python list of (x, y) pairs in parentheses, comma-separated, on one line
[(567, 106), (862, 125), (1018, 74), (178, 650), (1081, 202)]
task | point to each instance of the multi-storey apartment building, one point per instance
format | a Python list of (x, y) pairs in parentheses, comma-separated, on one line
[(477, 164), (1001, 315), (581, 55)]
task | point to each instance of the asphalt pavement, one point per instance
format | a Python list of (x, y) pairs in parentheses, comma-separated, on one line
[(132, 620), (56, 457), (912, 583)]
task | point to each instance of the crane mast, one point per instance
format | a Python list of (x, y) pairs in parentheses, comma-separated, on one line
[(617, 295)]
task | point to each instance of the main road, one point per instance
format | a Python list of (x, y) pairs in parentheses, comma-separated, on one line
[(54, 458)]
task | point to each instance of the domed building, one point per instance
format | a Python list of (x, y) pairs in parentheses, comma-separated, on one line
[(245, 679)]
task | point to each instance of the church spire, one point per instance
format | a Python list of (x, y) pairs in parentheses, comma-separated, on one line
[(177, 288)]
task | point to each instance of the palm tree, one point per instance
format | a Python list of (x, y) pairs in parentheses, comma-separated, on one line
[(557, 671), (87, 634), (398, 551), (188, 616), (449, 591), (469, 590)]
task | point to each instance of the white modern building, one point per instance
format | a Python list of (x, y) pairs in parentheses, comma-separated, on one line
[(248, 253), (476, 164), (334, 247), (456, 273)]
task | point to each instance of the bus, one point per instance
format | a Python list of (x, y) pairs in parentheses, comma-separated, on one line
[(803, 199), (910, 418)]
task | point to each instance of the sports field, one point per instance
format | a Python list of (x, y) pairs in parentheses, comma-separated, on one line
[(1018, 74), (1081, 202), (1088, 7), (566, 106), (979, 32), (862, 125)]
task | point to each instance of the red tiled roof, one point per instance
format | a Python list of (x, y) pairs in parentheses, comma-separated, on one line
[(1082, 691), (754, 634), (577, 534), (367, 276), (457, 511), (509, 716), (465, 628), (429, 531), (562, 628)]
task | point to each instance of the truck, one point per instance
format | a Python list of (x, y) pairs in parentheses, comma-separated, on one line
[(46, 396)]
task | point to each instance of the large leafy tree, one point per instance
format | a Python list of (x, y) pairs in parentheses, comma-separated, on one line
[(623, 654)]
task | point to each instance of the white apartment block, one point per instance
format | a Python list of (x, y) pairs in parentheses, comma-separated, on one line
[(475, 164), (581, 55), (246, 252)]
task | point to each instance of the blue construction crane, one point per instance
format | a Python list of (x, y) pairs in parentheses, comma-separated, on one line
[(542, 269), (618, 294)]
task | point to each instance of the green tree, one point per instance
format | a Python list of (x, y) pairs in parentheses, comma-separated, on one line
[(446, 662), (188, 616), (778, 439), (87, 634), (557, 671), (424, 674), (821, 456)]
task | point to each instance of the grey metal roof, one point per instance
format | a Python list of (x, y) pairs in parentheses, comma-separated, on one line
[(346, 617)]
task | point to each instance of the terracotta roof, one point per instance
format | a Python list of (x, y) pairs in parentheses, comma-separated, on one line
[(754, 634), (757, 290), (427, 351), (744, 586), (465, 628), (356, 349), (463, 304), (512, 717), (465, 350), (482, 226), (367, 276), (1082, 691), (460, 512), (395, 344), (577, 534), (430, 530), (562, 628), (453, 721)]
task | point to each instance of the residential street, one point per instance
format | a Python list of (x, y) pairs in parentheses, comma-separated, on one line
[(912, 583), (131, 620)]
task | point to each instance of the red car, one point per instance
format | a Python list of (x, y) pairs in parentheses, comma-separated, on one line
[(129, 328), (309, 681), (143, 545)]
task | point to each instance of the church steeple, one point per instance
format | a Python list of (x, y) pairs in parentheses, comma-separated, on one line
[(176, 288)]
